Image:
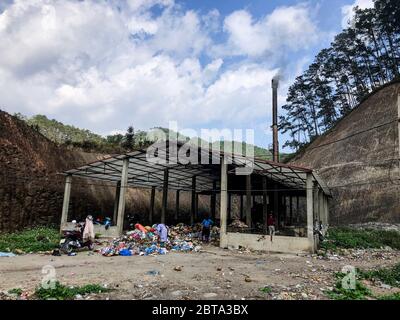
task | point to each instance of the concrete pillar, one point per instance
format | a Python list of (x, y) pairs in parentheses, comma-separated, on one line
[(196, 208), (316, 203), (213, 200), (229, 205), (310, 210), (284, 209), (321, 207), (327, 210), (121, 202), (193, 204), (116, 201), (67, 195), (152, 198), (241, 207), (265, 204), (248, 200), (223, 199), (177, 206), (164, 196), (276, 205)]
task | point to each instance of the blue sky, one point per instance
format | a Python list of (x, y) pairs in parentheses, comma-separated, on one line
[(104, 65)]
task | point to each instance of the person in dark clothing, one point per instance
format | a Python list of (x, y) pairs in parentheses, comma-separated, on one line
[(205, 233)]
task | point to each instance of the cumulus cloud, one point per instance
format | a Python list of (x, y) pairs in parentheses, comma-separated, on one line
[(348, 10), (285, 28), (103, 67)]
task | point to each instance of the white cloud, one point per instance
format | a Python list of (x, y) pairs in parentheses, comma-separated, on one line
[(285, 28), (348, 13), (100, 67)]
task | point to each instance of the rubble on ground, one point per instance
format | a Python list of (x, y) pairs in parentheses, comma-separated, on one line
[(377, 226), (386, 253)]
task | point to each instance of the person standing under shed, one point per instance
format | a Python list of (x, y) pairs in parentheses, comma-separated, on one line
[(205, 232), (271, 225), (162, 231)]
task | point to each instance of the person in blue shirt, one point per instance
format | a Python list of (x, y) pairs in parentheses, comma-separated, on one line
[(205, 233)]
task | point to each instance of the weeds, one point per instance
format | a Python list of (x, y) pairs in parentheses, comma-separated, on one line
[(16, 291), (389, 276), (30, 240), (360, 291), (62, 292), (266, 289), (356, 238), (393, 296)]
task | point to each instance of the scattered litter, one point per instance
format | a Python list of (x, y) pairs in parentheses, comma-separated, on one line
[(178, 268), (210, 295), (153, 272), (7, 254), (247, 279), (385, 286), (56, 253), (72, 254)]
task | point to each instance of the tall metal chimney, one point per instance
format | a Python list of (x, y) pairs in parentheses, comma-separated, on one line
[(275, 143)]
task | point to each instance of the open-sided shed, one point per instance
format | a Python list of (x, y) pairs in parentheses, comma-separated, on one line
[(200, 170)]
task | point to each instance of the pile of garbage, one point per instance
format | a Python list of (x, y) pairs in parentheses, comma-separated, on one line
[(238, 224), (144, 241)]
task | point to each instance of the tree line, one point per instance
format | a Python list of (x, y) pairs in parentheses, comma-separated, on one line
[(363, 57)]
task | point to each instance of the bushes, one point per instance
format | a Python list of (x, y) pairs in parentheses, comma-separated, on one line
[(30, 240), (356, 238)]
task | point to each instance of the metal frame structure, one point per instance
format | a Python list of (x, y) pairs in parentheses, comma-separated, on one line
[(204, 176)]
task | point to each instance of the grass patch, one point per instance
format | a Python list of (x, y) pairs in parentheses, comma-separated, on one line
[(360, 292), (389, 276), (394, 296), (16, 291), (349, 238), (30, 240), (266, 290), (62, 292)]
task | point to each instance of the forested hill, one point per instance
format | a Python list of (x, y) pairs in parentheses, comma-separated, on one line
[(68, 135), (363, 57)]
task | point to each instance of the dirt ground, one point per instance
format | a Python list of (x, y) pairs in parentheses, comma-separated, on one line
[(212, 273)]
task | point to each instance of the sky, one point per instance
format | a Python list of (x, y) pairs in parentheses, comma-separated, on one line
[(105, 65)]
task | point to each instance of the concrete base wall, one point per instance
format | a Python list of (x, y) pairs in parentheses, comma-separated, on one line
[(112, 232), (263, 243)]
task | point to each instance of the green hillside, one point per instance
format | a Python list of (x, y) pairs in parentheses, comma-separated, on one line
[(68, 135)]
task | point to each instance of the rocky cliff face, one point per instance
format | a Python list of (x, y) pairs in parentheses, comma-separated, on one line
[(31, 189), (359, 160)]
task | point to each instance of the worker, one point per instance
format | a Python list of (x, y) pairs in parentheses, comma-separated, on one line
[(206, 227), (162, 231), (271, 225)]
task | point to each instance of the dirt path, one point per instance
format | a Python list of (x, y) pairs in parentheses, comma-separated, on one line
[(213, 273)]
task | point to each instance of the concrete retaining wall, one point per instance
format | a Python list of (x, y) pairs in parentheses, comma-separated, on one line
[(263, 243)]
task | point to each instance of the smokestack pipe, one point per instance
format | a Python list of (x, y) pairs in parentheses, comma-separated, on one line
[(275, 143)]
